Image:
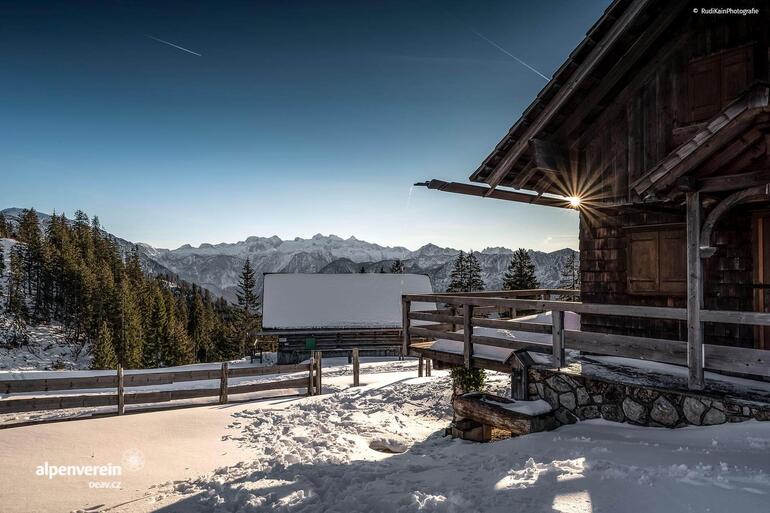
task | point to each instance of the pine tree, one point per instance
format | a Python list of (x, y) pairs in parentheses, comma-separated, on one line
[(521, 272), (155, 338), (2, 262), (458, 274), (475, 280), (104, 356), (362, 270), (397, 267), (247, 295), (570, 276), (129, 327), (466, 274)]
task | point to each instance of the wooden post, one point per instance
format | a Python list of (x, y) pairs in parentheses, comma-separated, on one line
[(520, 375), (121, 396), (318, 363), (427, 366), (420, 363), (453, 312), (468, 334), (223, 384), (405, 307), (694, 294), (558, 337), (356, 364), (310, 379)]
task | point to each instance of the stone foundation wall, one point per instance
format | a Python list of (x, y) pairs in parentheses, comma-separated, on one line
[(577, 397)]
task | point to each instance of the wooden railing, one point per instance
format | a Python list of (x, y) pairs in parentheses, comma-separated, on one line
[(467, 310), (111, 389)]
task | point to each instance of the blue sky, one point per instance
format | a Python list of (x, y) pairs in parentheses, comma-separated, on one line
[(297, 118)]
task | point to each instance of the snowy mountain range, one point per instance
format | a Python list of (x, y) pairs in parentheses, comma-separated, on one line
[(217, 266)]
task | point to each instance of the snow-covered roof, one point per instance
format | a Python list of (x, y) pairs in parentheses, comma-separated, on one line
[(361, 300)]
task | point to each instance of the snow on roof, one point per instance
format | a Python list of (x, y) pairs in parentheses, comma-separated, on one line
[(361, 300)]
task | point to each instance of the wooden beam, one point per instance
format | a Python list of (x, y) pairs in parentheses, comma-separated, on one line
[(716, 214), (468, 334), (695, 356), (725, 183), (562, 95), (486, 192)]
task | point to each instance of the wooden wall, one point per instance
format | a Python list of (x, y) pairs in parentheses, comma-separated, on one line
[(686, 77), (604, 246)]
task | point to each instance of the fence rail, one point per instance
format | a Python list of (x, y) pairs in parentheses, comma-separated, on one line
[(462, 311), (115, 393)]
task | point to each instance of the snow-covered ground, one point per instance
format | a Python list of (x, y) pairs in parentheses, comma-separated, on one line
[(379, 448)]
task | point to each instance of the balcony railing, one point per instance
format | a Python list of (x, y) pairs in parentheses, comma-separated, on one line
[(467, 311)]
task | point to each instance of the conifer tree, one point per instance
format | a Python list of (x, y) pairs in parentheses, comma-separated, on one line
[(362, 270), (129, 327), (2, 263), (155, 338), (247, 295), (466, 274), (521, 272), (570, 275), (397, 267), (475, 280), (104, 356)]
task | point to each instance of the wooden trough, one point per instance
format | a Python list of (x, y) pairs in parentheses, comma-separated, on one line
[(476, 413)]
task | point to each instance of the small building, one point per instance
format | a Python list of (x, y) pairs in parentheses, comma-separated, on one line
[(656, 130), (334, 313)]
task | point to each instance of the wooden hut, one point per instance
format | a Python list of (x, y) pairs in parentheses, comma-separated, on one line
[(656, 128), (334, 313)]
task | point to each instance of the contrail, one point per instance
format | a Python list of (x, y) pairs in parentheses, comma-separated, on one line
[(175, 46), (509, 54)]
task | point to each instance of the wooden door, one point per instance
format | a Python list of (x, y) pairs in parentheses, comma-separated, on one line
[(762, 275)]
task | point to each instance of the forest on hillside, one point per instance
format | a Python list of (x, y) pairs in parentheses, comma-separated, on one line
[(72, 273)]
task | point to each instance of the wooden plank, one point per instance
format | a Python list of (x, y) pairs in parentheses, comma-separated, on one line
[(530, 327), (121, 398), (271, 385), (56, 403), (490, 412), (694, 294), (737, 359), (239, 372), (468, 334), (432, 334), (356, 368), (420, 362), (456, 359), (558, 339), (641, 348), (170, 395)]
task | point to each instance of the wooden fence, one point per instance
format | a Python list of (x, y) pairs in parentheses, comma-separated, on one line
[(115, 389), (468, 310)]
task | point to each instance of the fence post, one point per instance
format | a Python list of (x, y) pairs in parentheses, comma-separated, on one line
[(406, 305), (420, 362), (427, 367), (121, 396), (694, 294), (356, 380), (223, 384), (318, 363), (453, 312), (558, 337), (468, 334), (310, 374)]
